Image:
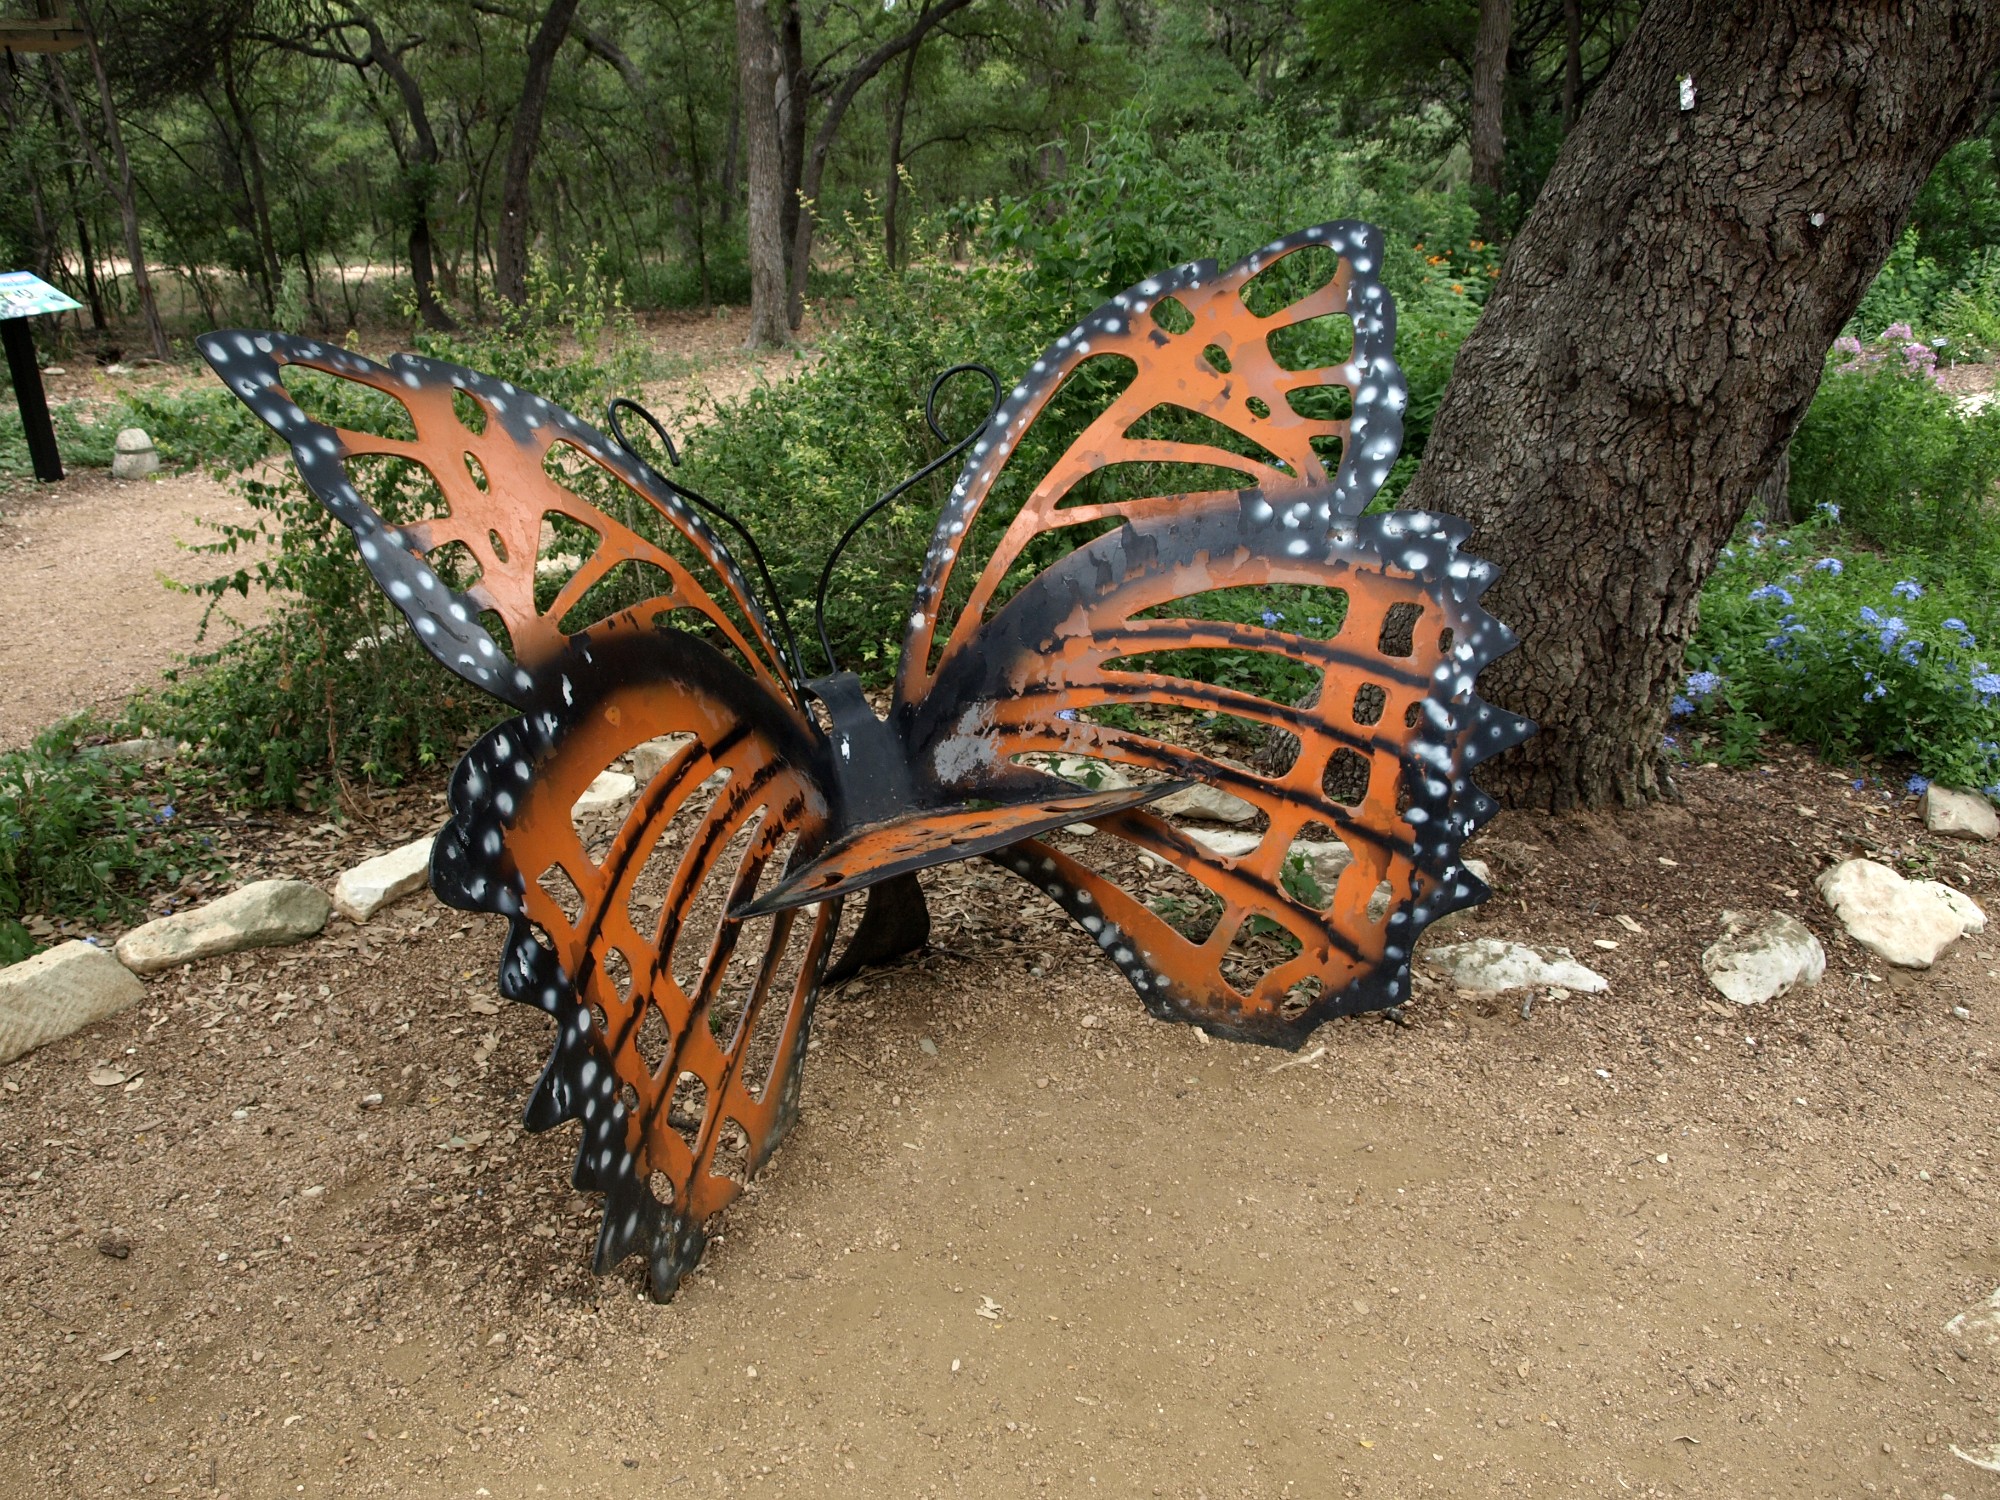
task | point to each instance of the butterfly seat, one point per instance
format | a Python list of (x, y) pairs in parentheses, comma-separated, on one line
[(1063, 609)]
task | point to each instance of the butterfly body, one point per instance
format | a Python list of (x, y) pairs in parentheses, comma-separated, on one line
[(680, 942)]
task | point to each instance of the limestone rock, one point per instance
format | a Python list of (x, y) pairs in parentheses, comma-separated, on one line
[(1230, 843), (1209, 803), (133, 455), (1094, 775), (265, 914), (60, 991), (374, 883), (1759, 959), (607, 794), (649, 757), (1904, 922), (1960, 815), (145, 752), (1979, 1326), (1489, 964)]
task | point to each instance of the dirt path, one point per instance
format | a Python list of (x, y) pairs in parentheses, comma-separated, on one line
[(1643, 1243), (86, 620)]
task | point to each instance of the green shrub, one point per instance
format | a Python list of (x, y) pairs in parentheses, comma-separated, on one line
[(86, 836), (1901, 462), (1840, 648), (85, 433), (333, 689)]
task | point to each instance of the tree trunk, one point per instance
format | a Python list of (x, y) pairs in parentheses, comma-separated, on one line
[(1658, 329), (1489, 95), (119, 188), (892, 186), (92, 292), (510, 271), (419, 175), (794, 97), (829, 125), (1572, 94), (730, 151), (757, 64), (260, 199), (1773, 498)]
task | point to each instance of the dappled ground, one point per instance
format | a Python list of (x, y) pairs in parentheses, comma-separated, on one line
[(87, 621), (1027, 1241)]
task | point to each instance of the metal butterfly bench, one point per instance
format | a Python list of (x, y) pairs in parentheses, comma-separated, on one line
[(681, 952)]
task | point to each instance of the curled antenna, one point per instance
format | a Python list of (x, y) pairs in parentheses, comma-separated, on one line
[(951, 452), (773, 600)]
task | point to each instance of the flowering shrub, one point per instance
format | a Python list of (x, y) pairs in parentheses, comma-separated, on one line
[(1847, 654)]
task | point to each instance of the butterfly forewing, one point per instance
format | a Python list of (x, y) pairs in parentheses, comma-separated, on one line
[(559, 526)]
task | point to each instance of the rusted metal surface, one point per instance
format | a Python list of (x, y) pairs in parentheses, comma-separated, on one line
[(680, 956)]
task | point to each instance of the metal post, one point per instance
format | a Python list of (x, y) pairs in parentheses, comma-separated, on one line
[(29, 396)]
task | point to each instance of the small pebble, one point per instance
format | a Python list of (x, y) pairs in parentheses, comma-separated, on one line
[(1961, 1013)]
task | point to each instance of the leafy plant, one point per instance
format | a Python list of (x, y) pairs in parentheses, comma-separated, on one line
[(82, 836), (1840, 648)]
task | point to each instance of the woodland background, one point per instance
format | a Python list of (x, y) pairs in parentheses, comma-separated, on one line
[(519, 188)]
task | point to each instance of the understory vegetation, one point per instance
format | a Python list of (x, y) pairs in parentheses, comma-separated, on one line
[(1864, 621)]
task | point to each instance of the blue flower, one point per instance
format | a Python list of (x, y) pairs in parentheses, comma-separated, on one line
[(1869, 617), (1954, 623), (1756, 525), (1916, 786), (1701, 684), (1909, 649), (1314, 620), (1831, 565), (1987, 684), (1680, 708), (1068, 715), (1828, 509), (165, 813), (1909, 588), (1771, 591), (1669, 741), (1893, 630), (1861, 783), (1272, 617), (1783, 541)]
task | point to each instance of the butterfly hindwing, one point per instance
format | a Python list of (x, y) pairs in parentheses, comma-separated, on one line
[(680, 1032), (1074, 659)]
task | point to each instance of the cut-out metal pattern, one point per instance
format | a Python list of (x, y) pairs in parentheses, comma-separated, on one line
[(680, 953)]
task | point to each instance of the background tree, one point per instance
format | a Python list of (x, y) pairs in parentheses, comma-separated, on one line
[(1659, 329)]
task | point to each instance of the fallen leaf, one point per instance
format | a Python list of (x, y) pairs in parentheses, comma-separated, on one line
[(105, 1076), (1605, 943), (1629, 925), (113, 1356)]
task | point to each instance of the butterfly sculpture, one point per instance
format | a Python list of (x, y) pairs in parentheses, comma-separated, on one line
[(681, 954)]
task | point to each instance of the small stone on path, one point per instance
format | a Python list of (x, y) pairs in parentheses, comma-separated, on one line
[(1208, 803), (58, 992), (1487, 965), (261, 915), (609, 792), (374, 883), (1960, 815), (1760, 958), (1905, 922)]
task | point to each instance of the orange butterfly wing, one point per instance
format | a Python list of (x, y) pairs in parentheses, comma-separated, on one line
[(1387, 749)]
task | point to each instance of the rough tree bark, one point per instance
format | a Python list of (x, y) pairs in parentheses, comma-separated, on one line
[(1658, 329), (510, 269), (757, 65), (1489, 97)]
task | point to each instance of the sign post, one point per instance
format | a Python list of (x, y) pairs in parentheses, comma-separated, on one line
[(23, 296)]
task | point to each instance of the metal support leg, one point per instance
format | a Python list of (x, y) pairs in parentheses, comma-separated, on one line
[(34, 404)]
